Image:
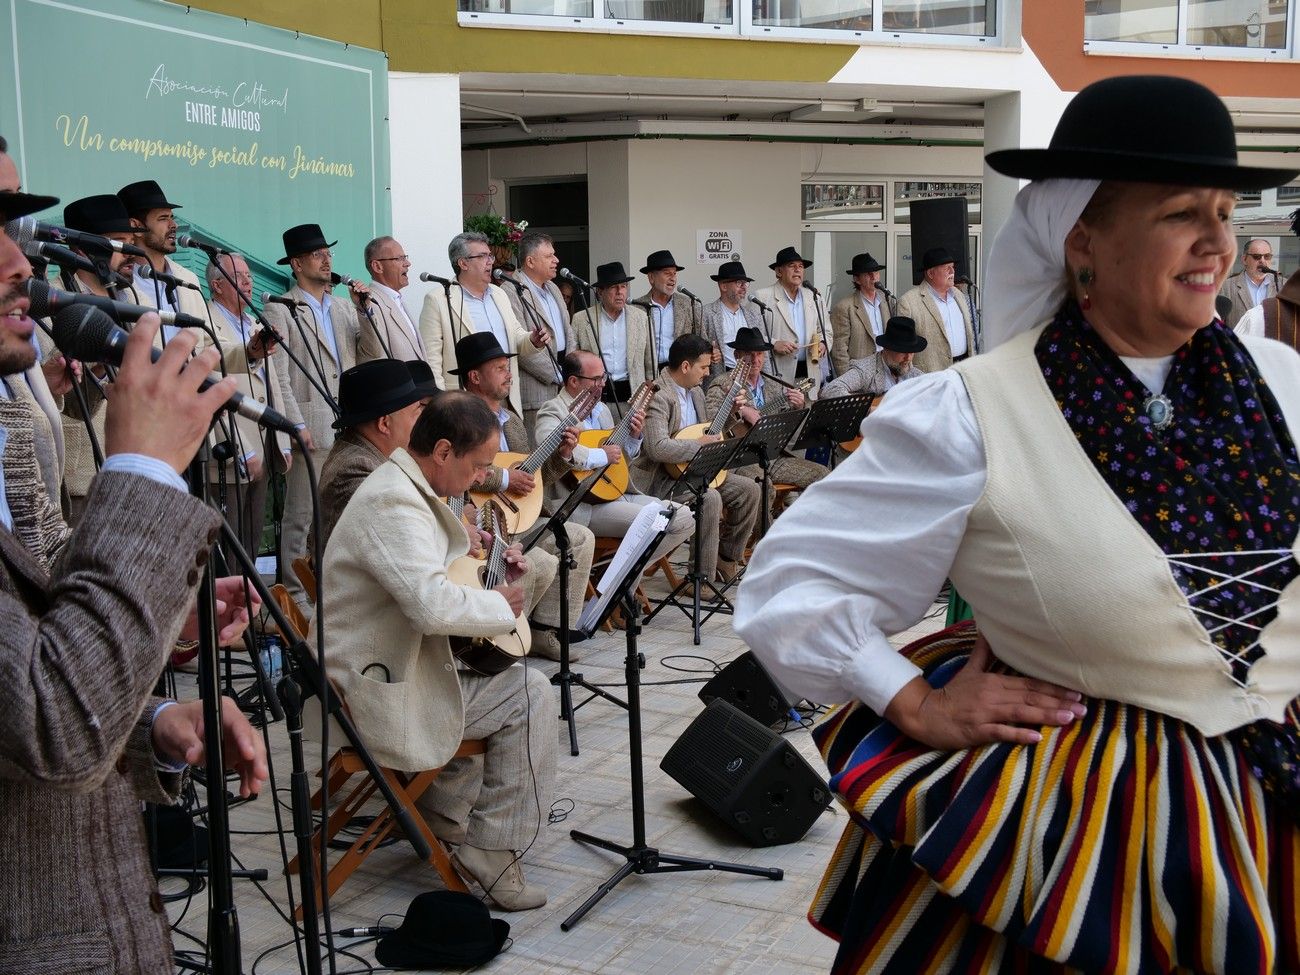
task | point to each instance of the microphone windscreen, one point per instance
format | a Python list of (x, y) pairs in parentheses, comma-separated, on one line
[(83, 332), (336, 279), (21, 230), (38, 298)]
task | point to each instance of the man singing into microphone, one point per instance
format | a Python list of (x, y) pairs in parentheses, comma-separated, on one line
[(940, 312), (670, 310), (150, 211), (796, 343), (540, 301), (1254, 283)]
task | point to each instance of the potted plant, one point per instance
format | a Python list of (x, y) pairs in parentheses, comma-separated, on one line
[(502, 234)]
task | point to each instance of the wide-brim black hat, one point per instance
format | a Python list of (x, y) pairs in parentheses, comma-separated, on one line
[(731, 271), (788, 255), (661, 261), (443, 929), (611, 274), (15, 205), (422, 375), (145, 195), (900, 336), (475, 349), (1143, 129), (101, 214), (303, 239), (864, 264), (936, 257), (749, 340), (374, 389)]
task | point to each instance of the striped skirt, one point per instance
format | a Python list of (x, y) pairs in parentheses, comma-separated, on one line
[(1126, 842)]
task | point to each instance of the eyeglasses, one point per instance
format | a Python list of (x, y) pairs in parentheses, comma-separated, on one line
[(399, 257), (1260, 257), (321, 254), (478, 257), (595, 379)]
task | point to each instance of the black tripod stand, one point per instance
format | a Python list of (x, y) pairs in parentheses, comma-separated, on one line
[(764, 443), (640, 857)]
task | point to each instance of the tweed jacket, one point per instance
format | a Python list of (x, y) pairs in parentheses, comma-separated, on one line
[(440, 333), (782, 329), (537, 379), (640, 354), (517, 443), (867, 375), (391, 604), (47, 425), (350, 461), (82, 648), (398, 342), (189, 301), (711, 326), (772, 392), (854, 338), (663, 418), (299, 400), (234, 357), (918, 305), (1237, 288), (685, 316)]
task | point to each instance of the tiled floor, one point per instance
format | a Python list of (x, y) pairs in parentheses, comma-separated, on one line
[(672, 923)]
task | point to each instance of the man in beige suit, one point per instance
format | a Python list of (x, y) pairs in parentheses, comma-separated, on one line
[(151, 213), (795, 321), (671, 312), (393, 334), (321, 333), (861, 316), (390, 619), (940, 312), (536, 300), (1255, 282), (473, 304), (617, 332)]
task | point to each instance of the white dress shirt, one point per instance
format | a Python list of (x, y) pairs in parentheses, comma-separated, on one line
[(546, 301), (953, 322), (872, 308), (798, 324), (487, 316), (613, 343), (1258, 292), (687, 405), (665, 321), (732, 322)]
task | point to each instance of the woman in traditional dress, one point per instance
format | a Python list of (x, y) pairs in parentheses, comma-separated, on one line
[(1103, 778)]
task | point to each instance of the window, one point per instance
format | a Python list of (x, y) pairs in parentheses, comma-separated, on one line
[(906, 192), (1241, 25), (843, 201)]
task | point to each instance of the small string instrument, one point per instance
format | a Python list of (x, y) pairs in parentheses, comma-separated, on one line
[(614, 479), (772, 407), (489, 655), (717, 425)]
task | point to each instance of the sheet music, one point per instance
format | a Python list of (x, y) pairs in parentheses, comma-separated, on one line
[(643, 533)]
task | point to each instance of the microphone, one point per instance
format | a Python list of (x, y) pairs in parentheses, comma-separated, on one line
[(434, 279), (500, 277), (963, 279), (375, 931), (351, 282), (189, 240), (809, 286), (688, 294), (1269, 270), (759, 303), (46, 300), (570, 276), (170, 280), (89, 335), (24, 229), (281, 300), (58, 255)]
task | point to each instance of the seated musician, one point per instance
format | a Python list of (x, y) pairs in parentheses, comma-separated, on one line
[(585, 370), (391, 612), (888, 366), (679, 403), (484, 371), (763, 397)]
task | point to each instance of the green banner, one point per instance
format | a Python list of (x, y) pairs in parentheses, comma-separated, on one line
[(251, 129)]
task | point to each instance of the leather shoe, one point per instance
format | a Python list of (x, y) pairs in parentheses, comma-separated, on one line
[(501, 876), (546, 644), (727, 570)]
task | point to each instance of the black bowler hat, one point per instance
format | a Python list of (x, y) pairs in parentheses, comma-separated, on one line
[(788, 255), (936, 257), (475, 349), (1145, 129), (374, 389), (611, 274), (661, 261), (102, 214), (14, 205), (422, 375), (900, 336), (749, 340), (731, 271), (303, 239), (864, 264), (443, 929), (145, 195)]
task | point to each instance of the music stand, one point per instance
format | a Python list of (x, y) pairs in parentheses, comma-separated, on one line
[(765, 441), (708, 462), (833, 421), (641, 858), (566, 678)]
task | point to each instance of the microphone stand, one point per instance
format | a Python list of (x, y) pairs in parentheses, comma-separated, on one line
[(320, 387), (364, 305), (648, 307), (600, 350), (536, 318), (821, 330)]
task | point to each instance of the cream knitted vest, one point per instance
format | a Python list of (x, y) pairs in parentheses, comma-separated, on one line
[(1069, 588)]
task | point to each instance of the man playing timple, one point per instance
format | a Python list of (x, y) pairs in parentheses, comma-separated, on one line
[(670, 311), (395, 335), (890, 365), (795, 332), (151, 212), (617, 332), (1249, 287), (722, 319), (540, 301), (940, 312), (859, 317)]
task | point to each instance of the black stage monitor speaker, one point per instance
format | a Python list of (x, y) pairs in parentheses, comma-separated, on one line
[(751, 778), (746, 684), (940, 223)]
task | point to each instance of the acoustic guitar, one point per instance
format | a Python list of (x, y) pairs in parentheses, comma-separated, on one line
[(489, 655), (775, 405), (520, 512), (716, 426), (614, 478)]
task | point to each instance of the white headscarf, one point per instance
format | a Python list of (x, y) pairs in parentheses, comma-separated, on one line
[(1025, 284)]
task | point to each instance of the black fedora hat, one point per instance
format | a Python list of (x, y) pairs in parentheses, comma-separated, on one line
[(788, 255), (1146, 129), (145, 195), (303, 239), (475, 349), (661, 261), (749, 340), (864, 264), (731, 271), (374, 389), (900, 336), (611, 274), (101, 214), (935, 257), (422, 375), (14, 205), (443, 929)]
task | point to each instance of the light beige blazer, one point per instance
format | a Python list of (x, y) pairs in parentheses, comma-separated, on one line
[(781, 318), (536, 372), (918, 305), (398, 341), (640, 356), (234, 357), (854, 338)]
